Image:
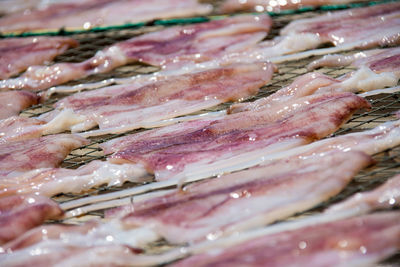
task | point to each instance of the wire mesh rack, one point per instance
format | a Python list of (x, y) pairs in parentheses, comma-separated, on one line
[(382, 110), (383, 106), (185, 20)]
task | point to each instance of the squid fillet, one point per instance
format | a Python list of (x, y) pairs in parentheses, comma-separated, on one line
[(125, 107), (246, 199), (172, 46), (384, 136), (360, 241), (17, 54), (229, 6), (385, 196), (20, 156), (231, 143), (19, 213), (12, 102)]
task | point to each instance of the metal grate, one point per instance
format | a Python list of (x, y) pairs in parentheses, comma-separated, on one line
[(383, 105), (388, 162), (188, 20)]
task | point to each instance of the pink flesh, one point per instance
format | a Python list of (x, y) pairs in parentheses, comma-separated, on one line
[(355, 28), (53, 231), (69, 245), (19, 128), (15, 22), (229, 6), (198, 42), (384, 60), (384, 136), (302, 86), (17, 54), (47, 151), (175, 96), (385, 196), (274, 191), (23, 212), (78, 255), (377, 25), (88, 14), (105, 255), (357, 241), (168, 155), (336, 18), (359, 140), (373, 141), (334, 60), (11, 6), (11, 103), (172, 46), (53, 181), (378, 60)]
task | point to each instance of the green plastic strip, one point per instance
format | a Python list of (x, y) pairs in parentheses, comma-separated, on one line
[(71, 31), (354, 5), (182, 21), (168, 22)]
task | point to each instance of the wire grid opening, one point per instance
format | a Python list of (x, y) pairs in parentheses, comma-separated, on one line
[(383, 106)]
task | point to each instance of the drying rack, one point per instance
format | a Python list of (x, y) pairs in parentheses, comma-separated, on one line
[(187, 20), (383, 106)]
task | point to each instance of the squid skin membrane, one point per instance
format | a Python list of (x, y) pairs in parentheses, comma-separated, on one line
[(120, 108), (199, 149), (139, 227), (247, 199), (148, 104), (12, 102), (304, 85), (53, 181), (369, 26), (11, 6), (332, 148), (390, 90), (169, 48), (86, 14), (19, 213), (230, 6), (48, 151), (208, 149), (88, 244), (18, 54), (363, 240), (126, 107), (377, 69), (228, 144), (17, 128), (385, 196), (356, 28), (346, 30), (381, 138), (73, 243)]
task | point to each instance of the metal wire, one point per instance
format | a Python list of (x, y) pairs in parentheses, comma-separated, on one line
[(383, 105)]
